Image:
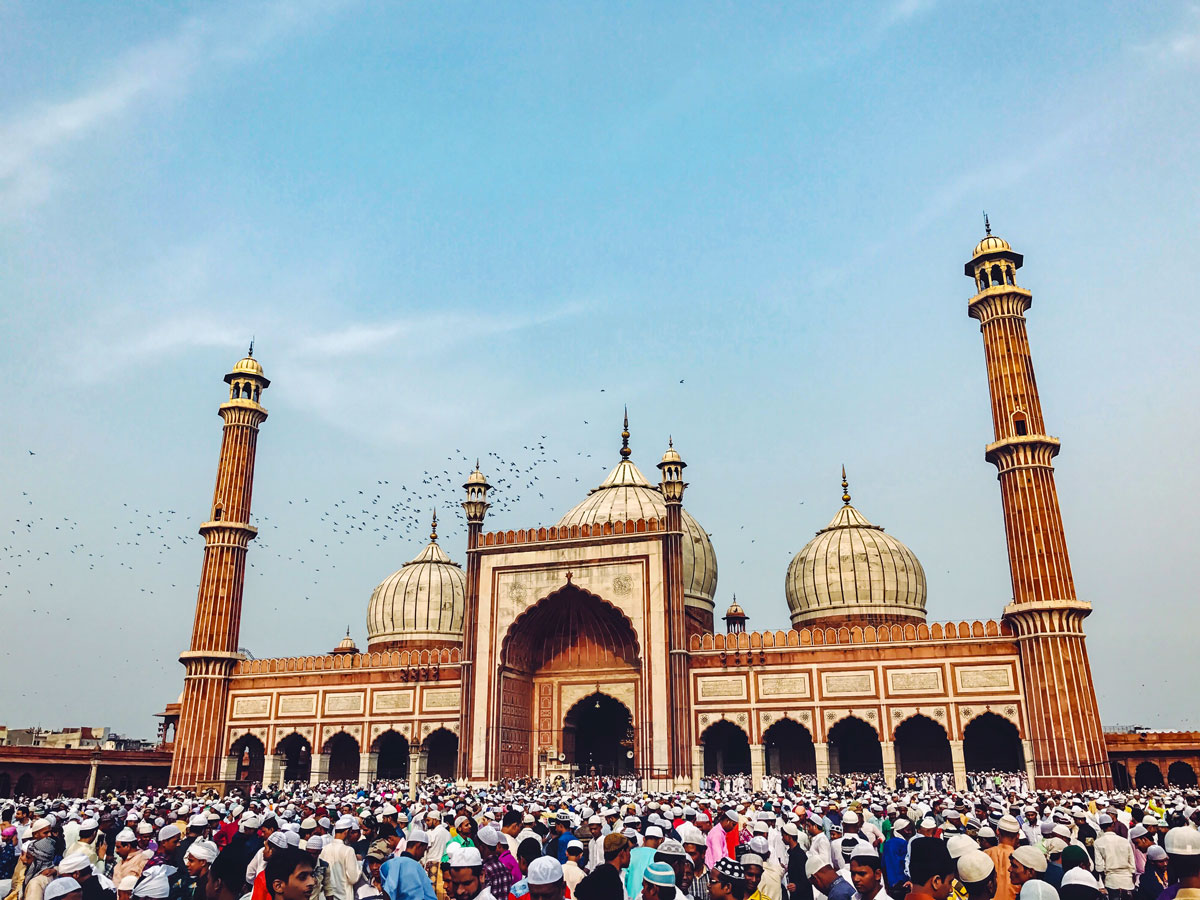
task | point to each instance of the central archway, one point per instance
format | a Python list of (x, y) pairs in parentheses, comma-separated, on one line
[(342, 750), (248, 750), (790, 749), (992, 743), (392, 748), (726, 749), (566, 634), (297, 757), (598, 736), (922, 746), (854, 748), (442, 747)]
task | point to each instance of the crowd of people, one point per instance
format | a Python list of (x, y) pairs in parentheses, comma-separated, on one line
[(790, 839)]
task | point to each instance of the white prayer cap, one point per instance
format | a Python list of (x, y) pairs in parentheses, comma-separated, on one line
[(38, 825), (345, 823), (814, 865), (1037, 889), (759, 845), (389, 810), (156, 883), (900, 825), (1030, 858), (574, 844), (200, 820), (865, 850), (850, 818), (89, 825), (1009, 824), (278, 839), (1105, 819), (128, 883), (308, 822), (489, 835), (654, 832), (145, 828), (126, 836), (205, 851), (986, 832), (975, 866), (544, 870), (1055, 845), (1080, 875), (76, 862), (60, 887), (596, 820), (167, 832), (467, 858), (418, 836), (960, 844), (751, 859), (1183, 841)]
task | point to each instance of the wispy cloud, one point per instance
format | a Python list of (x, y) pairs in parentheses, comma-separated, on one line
[(35, 144)]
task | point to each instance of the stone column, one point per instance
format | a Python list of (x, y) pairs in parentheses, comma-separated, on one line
[(889, 763), (273, 767), (959, 762), (229, 768), (414, 765), (1027, 749), (320, 768), (93, 771), (697, 765), (822, 751), (368, 765), (758, 765)]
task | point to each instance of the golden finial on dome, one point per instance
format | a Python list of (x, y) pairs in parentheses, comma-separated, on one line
[(625, 451), (845, 487), (250, 352), (433, 530), (987, 226)]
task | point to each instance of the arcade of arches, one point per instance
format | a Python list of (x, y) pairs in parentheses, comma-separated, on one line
[(391, 758), (920, 744)]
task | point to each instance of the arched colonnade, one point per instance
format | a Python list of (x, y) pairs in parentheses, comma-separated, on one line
[(919, 744)]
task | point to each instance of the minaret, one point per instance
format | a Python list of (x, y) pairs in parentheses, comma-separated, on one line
[(199, 746), (1064, 721), (735, 618), (679, 738), (476, 507)]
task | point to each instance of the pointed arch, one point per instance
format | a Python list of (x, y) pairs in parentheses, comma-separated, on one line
[(922, 745), (343, 752), (297, 756), (789, 748), (441, 745), (250, 755), (568, 629), (392, 750), (991, 742), (854, 747), (726, 749)]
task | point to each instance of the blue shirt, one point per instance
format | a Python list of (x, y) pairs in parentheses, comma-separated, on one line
[(404, 879), (841, 889), (892, 856)]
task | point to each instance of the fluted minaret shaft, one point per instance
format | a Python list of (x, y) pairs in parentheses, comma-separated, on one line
[(213, 652)]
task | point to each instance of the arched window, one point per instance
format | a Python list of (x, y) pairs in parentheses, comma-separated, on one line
[(257, 393), (984, 284), (1009, 277), (1020, 426), (997, 275)]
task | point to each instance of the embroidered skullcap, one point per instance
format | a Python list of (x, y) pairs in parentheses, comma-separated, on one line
[(1156, 853), (545, 870), (488, 835), (670, 847), (659, 874), (727, 868), (278, 839), (760, 846), (126, 836), (864, 850), (1009, 824)]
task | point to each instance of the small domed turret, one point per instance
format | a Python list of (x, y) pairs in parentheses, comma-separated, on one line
[(345, 645)]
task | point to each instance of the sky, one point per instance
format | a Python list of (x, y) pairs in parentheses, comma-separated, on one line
[(480, 230)]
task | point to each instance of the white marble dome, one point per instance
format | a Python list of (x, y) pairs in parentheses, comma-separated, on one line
[(626, 494), (852, 570), (421, 604)]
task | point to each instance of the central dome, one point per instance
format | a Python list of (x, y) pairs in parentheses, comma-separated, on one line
[(853, 572), (626, 494), (420, 605)]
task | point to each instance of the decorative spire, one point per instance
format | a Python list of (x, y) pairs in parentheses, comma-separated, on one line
[(845, 488), (670, 441), (433, 530), (987, 226), (250, 352), (625, 451), (347, 631)]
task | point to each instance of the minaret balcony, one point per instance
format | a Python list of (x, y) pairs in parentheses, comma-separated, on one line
[(1026, 451)]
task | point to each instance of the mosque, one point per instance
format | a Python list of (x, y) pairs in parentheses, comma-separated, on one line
[(590, 645)]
